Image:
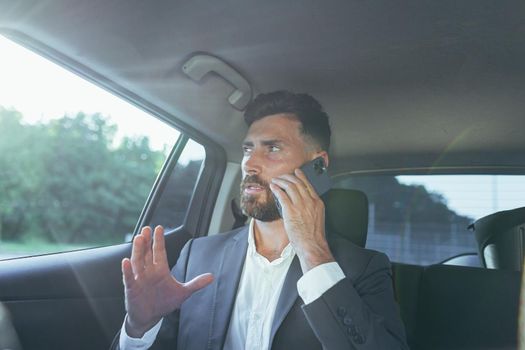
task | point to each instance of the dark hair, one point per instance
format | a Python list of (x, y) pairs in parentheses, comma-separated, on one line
[(306, 109)]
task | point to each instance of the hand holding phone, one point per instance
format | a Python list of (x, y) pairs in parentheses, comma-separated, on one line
[(317, 174)]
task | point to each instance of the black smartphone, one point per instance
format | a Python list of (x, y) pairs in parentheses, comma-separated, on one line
[(317, 174)]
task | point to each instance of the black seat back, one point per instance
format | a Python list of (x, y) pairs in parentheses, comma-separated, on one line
[(347, 214), (407, 281), (457, 307)]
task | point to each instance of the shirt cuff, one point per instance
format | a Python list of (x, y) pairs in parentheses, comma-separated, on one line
[(318, 280), (128, 343)]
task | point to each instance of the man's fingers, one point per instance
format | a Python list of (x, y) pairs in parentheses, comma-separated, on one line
[(291, 178), (159, 247), (137, 252), (300, 184), (300, 174), (289, 190), (198, 282), (137, 260), (127, 273), (282, 197), (148, 254)]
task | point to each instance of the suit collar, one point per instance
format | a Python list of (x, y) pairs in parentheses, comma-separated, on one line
[(288, 296), (228, 277)]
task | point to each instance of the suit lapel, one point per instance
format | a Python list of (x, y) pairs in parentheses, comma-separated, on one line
[(288, 296), (228, 277)]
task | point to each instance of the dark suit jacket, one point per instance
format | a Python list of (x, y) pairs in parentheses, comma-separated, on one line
[(359, 312)]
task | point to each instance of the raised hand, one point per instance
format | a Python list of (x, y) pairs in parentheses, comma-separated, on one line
[(151, 292)]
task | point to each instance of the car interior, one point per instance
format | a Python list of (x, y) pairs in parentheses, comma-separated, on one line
[(411, 88)]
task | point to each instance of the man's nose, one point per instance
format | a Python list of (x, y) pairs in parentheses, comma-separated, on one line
[(252, 163)]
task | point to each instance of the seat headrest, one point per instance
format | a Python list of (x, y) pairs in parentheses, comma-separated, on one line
[(347, 214), (501, 239)]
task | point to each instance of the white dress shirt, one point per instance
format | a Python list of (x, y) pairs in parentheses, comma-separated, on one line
[(257, 296), (259, 289)]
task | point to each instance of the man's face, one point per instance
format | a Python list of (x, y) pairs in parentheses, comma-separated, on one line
[(273, 146)]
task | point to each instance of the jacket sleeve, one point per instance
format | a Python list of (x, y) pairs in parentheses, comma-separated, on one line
[(361, 314), (167, 337)]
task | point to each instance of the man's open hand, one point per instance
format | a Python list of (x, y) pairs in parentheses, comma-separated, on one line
[(151, 292)]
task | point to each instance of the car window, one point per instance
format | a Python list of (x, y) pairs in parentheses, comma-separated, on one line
[(171, 208), (76, 162), (424, 219)]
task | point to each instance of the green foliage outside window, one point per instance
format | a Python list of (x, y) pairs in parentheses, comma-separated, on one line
[(65, 181)]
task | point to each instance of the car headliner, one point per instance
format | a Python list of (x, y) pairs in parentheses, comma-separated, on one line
[(406, 83)]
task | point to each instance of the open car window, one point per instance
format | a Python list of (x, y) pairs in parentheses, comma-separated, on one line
[(77, 163), (424, 219)]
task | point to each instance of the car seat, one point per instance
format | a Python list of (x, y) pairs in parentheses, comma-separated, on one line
[(347, 214), (501, 239)]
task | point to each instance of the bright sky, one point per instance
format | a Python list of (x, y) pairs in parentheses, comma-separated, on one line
[(475, 195), (42, 90)]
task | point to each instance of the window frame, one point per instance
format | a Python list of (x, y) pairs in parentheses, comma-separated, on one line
[(206, 189)]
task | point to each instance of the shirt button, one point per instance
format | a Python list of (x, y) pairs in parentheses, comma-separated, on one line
[(347, 321)]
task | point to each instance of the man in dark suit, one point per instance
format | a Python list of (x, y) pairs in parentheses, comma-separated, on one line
[(281, 282)]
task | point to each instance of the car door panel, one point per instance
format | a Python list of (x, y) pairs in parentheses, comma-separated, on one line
[(70, 300)]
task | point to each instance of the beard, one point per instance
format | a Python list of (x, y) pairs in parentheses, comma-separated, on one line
[(255, 207)]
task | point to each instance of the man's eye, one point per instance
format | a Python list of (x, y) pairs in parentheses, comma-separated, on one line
[(274, 149), (246, 150)]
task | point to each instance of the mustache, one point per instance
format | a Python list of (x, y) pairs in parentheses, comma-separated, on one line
[(254, 179)]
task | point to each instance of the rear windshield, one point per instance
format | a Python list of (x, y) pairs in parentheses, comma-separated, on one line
[(424, 219)]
